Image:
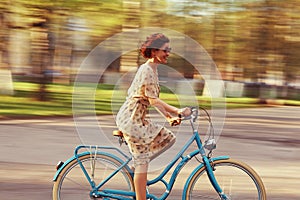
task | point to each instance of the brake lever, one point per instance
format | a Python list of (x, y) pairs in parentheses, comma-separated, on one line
[(194, 114)]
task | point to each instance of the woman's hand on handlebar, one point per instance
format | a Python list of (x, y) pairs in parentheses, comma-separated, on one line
[(184, 112), (174, 121)]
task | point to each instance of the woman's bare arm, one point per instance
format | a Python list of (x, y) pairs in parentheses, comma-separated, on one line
[(163, 107)]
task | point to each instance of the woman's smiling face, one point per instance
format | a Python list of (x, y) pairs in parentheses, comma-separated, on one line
[(161, 54)]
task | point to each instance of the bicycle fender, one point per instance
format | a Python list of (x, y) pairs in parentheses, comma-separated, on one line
[(66, 163), (196, 169), (79, 155)]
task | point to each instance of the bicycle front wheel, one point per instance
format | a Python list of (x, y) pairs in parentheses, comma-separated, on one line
[(237, 180), (73, 184)]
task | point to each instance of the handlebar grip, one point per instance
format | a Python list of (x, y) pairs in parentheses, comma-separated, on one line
[(193, 115)]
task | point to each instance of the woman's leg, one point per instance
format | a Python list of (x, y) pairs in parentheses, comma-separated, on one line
[(163, 141), (141, 160), (140, 181)]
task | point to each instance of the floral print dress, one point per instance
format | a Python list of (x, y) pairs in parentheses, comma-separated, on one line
[(145, 139)]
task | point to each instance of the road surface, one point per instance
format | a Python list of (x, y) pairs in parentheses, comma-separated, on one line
[(268, 139)]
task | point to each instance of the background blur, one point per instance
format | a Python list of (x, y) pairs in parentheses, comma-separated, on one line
[(255, 43)]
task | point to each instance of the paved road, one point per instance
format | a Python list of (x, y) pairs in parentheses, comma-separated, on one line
[(266, 138)]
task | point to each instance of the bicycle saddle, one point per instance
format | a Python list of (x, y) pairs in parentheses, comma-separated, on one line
[(119, 134)]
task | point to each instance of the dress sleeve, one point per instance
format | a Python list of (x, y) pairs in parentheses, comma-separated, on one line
[(150, 85), (151, 90)]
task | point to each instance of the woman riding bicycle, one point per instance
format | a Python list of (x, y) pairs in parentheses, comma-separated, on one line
[(146, 139)]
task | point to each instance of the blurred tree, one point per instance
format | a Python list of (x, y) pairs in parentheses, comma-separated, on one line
[(288, 36), (3, 35), (256, 36)]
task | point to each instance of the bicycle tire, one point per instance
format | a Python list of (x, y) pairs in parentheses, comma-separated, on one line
[(72, 183), (237, 180)]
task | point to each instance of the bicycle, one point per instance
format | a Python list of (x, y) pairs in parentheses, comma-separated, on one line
[(99, 174)]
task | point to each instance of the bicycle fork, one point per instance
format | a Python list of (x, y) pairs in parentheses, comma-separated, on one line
[(212, 179)]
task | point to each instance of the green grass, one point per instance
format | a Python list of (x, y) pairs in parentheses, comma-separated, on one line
[(26, 103)]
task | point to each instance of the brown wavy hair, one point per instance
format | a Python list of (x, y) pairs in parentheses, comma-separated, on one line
[(154, 41)]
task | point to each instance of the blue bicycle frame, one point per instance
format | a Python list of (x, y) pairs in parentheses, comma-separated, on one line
[(118, 194), (128, 195)]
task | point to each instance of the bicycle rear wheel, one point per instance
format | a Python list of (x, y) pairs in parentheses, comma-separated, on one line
[(237, 180), (72, 183)]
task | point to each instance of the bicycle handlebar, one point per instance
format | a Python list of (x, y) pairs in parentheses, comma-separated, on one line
[(193, 116)]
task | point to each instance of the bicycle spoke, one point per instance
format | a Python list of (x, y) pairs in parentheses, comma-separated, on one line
[(205, 197), (237, 180), (76, 183), (72, 183)]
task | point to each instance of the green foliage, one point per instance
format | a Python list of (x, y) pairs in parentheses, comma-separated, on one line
[(256, 36), (25, 104)]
